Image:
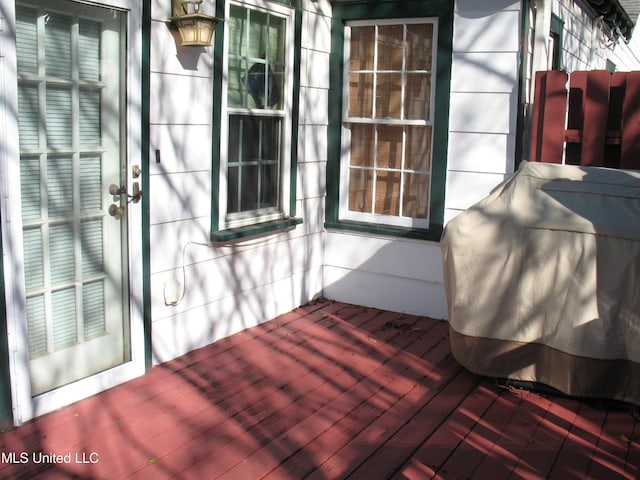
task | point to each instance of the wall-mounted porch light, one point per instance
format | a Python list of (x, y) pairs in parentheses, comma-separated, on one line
[(196, 29)]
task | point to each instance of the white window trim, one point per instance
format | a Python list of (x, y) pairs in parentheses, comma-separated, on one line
[(251, 218), (26, 407), (344, 212)]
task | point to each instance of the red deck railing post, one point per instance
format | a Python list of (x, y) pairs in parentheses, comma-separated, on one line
[(630, 123), (588, 112), (547, 135)]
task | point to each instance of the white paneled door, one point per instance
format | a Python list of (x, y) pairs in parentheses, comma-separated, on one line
[(76, 226)]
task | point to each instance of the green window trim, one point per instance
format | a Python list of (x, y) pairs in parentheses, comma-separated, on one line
[(218, 234), (342, 13)]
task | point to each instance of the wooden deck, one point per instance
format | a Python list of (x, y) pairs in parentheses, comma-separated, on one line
[(327, 391)]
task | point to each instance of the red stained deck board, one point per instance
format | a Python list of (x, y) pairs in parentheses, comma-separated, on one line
[(434, 452), (469, 456), (327, 391)]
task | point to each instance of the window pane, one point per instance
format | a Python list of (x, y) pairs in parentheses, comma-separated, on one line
[(390, 41), (419, 46), (418, 149), (389, 153), (415, 203), (360, 190), (388, 95), (361, 95), (362, 48), (388, 193), (253, 172), (362, 145), (417, 96), (256, 59)]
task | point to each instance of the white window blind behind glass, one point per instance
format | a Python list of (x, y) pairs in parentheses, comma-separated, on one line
[(59, 114)]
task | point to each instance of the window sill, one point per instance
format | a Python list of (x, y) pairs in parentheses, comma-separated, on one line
[(253, 230), (433, 234)]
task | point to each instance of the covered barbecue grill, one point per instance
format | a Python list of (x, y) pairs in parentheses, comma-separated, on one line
[(542, 280)]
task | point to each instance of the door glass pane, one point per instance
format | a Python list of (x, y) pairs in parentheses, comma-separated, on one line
[(28, 111), (92, 238), (91, 184), (89, 111), (59, 186), (36, 324), (33, 259), (26, 40), (57, 42), (58, 117), (30, 187), (63, 309), (89, 46), (61, 253), (93, 309)]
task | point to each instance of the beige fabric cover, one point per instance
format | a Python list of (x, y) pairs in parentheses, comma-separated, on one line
[(542, 280)]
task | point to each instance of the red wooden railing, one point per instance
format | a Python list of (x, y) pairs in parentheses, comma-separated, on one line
[(593, 122)]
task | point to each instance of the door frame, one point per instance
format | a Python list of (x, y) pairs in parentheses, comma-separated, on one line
[(15, 365)]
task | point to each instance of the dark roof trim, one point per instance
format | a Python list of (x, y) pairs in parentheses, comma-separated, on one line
[(616, 20)]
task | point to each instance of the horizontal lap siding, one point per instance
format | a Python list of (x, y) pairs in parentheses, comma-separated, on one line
[(484, 100), (233, 286)]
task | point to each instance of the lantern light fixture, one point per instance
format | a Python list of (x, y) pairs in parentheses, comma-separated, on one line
[(195, 28)]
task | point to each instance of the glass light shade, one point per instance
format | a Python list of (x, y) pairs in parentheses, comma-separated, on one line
[(196, 29)]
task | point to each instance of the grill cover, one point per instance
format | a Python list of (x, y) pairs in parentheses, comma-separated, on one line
[(542, 279)]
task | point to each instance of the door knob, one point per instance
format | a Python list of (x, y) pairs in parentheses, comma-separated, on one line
[(116, 211)]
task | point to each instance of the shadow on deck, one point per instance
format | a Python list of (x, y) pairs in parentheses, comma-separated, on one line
[(327, 391)]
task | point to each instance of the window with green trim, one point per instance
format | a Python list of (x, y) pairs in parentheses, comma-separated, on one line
[(387, 157), (257, 121)]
